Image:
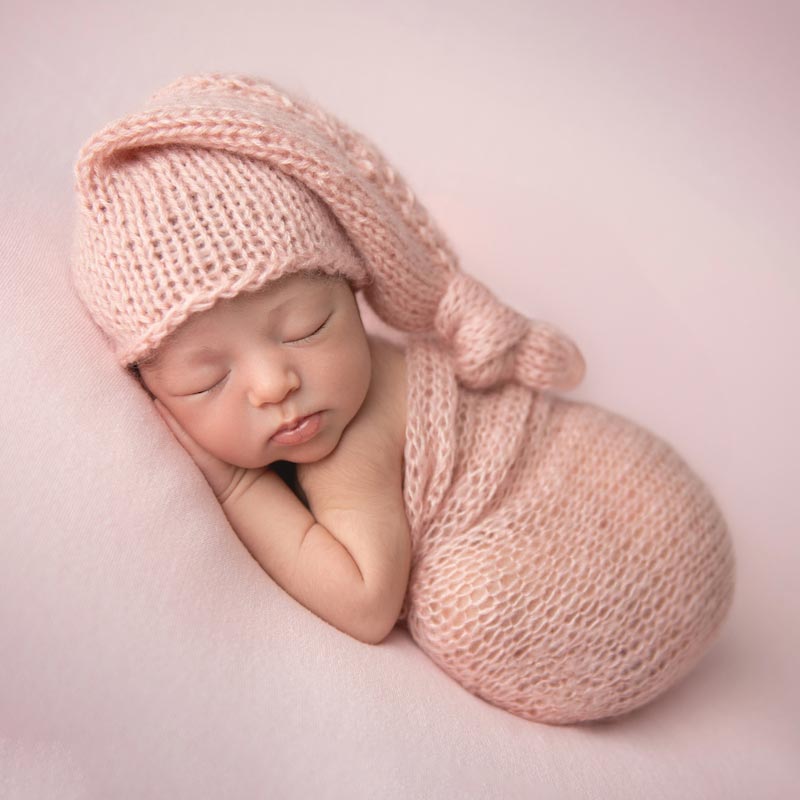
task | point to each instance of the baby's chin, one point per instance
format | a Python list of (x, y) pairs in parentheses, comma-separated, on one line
[(310, 455), (305, 454)]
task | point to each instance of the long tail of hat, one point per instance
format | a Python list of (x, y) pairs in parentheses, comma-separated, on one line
[(417, 285)]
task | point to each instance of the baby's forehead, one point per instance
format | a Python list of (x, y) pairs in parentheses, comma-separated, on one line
[(284, 291)]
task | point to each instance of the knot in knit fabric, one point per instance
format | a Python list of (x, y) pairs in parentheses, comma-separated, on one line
[(491, 344)]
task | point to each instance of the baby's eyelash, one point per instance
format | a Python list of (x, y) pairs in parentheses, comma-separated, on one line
[(210, 388), (318, 330)]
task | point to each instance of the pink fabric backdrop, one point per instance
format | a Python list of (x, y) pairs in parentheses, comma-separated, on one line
[(628, 171)]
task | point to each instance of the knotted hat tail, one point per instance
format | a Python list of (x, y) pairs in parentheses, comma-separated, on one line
[(156, 183)]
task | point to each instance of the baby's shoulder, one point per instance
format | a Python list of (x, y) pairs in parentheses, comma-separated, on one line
[(368, 461), (388, 389)]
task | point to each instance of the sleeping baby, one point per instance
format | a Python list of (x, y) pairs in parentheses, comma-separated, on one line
[(554, 558)]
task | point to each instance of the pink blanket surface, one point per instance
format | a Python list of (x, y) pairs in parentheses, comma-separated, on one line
[(567, 564)]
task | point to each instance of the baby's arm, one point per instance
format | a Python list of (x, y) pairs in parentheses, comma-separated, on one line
[(349, 565), (348, 558)]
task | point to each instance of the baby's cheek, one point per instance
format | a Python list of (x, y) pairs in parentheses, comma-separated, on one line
[(361, 368), (245, 442), (212, 431)]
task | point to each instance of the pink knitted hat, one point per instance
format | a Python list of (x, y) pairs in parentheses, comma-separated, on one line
[(224, 182)]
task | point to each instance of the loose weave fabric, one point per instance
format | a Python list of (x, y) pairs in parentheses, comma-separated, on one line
[(567, 564)]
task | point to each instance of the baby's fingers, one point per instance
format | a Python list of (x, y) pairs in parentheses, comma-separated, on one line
[(218, 474)]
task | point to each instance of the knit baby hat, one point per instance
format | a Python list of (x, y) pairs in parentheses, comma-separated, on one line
[(223, 182), (177, 228)]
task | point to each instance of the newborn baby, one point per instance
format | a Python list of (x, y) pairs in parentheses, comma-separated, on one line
[(555, 559), (289, 374)]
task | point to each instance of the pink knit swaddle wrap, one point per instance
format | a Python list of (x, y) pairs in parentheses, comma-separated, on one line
[(567, 564)]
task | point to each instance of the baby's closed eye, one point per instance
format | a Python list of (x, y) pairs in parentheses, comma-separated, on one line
[(317, 330)]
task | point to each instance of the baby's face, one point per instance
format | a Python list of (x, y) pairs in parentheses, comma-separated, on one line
[(234, 374)]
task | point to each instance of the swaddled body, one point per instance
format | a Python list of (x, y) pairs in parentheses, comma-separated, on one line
[(567, 565)]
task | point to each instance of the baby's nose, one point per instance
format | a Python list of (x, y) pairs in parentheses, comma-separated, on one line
[(271, 383)]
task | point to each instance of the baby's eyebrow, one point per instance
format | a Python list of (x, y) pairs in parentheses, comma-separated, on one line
[(200, 355)]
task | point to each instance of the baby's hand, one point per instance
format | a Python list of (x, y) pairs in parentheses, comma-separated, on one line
[(223, 478)]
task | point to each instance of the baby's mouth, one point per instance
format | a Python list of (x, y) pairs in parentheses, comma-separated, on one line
[(298, 432), (289, 426)]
